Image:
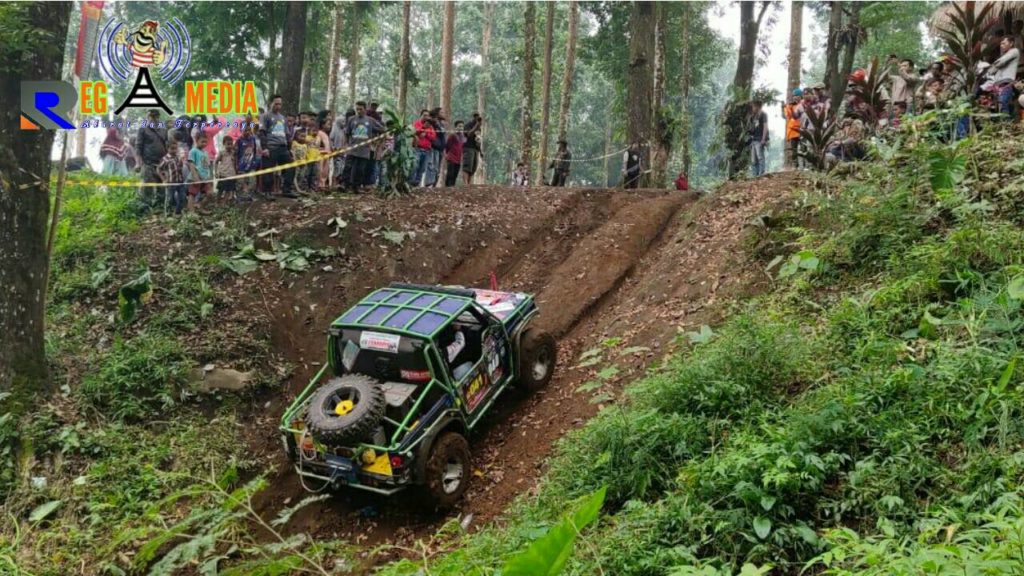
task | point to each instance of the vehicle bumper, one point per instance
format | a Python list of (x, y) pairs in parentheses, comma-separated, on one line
[(340, 471)]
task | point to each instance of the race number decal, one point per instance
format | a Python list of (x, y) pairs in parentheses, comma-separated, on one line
[(476, 390), (379, 341)]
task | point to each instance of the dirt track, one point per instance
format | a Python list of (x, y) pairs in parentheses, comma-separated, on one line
[(633, 264)]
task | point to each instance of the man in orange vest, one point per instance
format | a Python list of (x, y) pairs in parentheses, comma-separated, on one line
[(792, 111)]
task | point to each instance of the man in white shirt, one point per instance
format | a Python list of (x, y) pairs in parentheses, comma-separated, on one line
[(1003, 73)]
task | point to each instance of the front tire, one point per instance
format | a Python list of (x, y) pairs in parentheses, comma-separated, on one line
[(537, 356), (448, 470)]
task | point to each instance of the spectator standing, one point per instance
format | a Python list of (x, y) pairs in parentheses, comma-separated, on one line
[(1003, 73), (198, 173), (631, 166), (359, 130), (792, 112), (113, 152), (248, 160), (423, 142), (904, 82), (453, 154), (276, 146), (562, 163), (472, 148), (151, 147), (758, 134), (323, 144), (437, 149), (170, 171), (226, 168)]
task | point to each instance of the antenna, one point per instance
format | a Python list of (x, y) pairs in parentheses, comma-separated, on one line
[(143, 95)]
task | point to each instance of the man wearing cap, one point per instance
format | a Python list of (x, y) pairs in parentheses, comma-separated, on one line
[(151, 147), (792, 111)]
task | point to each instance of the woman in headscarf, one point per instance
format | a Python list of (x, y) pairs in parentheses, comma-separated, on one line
[(113, 153)]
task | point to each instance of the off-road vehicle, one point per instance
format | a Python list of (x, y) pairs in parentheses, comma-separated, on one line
[(411, 370)]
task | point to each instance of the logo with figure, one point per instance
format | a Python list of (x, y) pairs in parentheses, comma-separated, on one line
[(165, 49)]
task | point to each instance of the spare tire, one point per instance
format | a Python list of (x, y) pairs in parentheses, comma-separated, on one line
[(345, 410)]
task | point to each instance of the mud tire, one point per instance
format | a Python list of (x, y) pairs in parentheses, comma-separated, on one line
[(448, 456), (356, 426), (537, 348)]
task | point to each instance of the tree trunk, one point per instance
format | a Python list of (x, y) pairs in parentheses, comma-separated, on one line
[(640, 82), (356, 31), (24, 204), (403, 61), (796, 26), (659, 127), (849, 38), (481, 86), (334, 59), (293, 51), (527, 125), (748, 43), (545, 101), (832, 47), (570, 64), (272, 53), (447, 52), (684, 109), (607, 145), (796, 23)]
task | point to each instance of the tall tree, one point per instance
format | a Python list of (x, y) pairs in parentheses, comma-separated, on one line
[(306, 86), (24, 200), (483, 81), (833, 45), (570, 65), (545, 100), (447, 52), (750, 29), (403, 60), (355, 27), (796, 26), (684, 90), (529, 38), (850, 36), (659, 128), (293, 49), (333, 58), (640, 82), (272, 54)]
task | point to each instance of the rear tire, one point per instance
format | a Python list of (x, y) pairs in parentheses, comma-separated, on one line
[(448, 470), (538, 354)]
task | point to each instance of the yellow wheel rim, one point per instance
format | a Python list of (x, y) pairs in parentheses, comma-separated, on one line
[(344, 407)]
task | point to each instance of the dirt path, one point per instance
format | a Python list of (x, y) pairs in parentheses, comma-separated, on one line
[(638, 265)]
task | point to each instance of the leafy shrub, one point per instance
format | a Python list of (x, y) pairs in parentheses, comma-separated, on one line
[(137, 377)]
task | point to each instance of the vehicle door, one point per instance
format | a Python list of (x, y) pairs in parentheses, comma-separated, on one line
[(493, 370)]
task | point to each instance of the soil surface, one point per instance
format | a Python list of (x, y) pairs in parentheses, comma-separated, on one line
[(636, 265)]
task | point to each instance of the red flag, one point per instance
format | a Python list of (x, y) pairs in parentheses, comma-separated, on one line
[(494, 281)]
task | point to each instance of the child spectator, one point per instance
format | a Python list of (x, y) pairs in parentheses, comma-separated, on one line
[(226, 168), (198, 172), (519, 176), (248, 152), (300, 150), (170, 171), (323, 144), (453, 154), (682, 182)]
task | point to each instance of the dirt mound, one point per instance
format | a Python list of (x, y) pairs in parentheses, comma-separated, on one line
[(634, 265)]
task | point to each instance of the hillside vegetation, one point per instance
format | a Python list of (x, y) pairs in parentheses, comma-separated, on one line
[(865, 417)]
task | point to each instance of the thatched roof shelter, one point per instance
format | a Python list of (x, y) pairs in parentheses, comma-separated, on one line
[(1005, 14)]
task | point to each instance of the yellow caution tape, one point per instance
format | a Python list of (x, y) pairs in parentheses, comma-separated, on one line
[(278, 168)]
